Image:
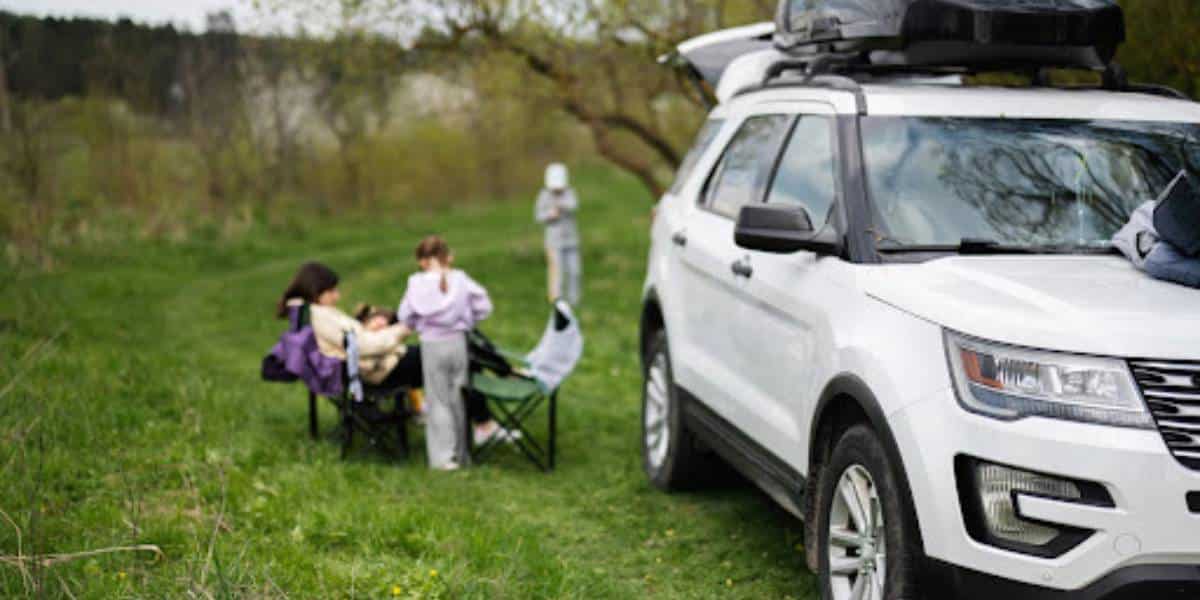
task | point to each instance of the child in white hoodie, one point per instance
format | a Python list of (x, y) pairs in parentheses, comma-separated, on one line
[(442, 304)]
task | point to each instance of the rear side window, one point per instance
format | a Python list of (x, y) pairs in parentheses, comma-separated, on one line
[(742, 173), (707, 135), (806, 175)]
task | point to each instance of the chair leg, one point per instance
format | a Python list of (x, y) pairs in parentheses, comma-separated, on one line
[(347, 427), (553, 434), (312, 415)]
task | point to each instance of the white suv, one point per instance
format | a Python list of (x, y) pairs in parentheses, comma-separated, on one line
[(892, 304)]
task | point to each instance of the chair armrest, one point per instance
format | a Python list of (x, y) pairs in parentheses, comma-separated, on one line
[(518, 359)]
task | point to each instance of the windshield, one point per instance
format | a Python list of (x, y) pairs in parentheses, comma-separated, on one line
[(1019, 183)]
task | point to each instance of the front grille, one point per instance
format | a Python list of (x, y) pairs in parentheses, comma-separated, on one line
[(1172, 391)]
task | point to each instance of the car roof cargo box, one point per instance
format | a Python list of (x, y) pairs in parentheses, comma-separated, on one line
[(956, 33)]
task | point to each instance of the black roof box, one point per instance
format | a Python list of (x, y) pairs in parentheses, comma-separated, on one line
[(965, 33)]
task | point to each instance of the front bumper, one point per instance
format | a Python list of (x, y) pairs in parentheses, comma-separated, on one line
[(1150, 533)]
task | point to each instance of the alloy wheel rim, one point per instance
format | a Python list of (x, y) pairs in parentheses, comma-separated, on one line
[(656, 425), (857, 544)]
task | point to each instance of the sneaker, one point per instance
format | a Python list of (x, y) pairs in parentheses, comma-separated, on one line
[(484, 434), (450, 466)]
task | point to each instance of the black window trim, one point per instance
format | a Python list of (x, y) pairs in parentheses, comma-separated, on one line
[(834, 147), (702, 200)]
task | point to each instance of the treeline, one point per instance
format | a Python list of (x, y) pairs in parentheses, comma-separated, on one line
[(108, 128), (54, 58)]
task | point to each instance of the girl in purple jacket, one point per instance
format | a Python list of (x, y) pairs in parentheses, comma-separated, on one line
[(442, 304)]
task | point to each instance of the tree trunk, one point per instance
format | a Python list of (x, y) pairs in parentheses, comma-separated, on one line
[(5, 108)]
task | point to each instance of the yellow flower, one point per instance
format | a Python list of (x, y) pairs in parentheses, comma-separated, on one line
[(396, 590), (670, 533), (433, 572), (121, 575), (728, 583)]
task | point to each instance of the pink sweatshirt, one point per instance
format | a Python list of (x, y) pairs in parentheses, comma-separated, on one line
[(438, 315)]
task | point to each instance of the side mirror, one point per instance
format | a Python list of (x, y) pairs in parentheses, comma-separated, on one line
[(783, 229)]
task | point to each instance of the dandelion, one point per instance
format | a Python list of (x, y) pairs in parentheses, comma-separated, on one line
[(433, 572), (728, 583), (396, 590), (121, 575)]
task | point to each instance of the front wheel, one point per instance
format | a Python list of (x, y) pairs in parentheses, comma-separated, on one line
[(868, 545)]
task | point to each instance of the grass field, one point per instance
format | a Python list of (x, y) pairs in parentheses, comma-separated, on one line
[(131, 413)]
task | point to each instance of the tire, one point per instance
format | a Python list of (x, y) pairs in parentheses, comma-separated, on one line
[(861, 473), (670, 456)]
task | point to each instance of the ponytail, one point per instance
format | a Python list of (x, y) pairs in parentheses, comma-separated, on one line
[(436, 248)]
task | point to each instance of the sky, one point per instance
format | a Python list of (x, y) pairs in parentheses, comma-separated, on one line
[(189, 13)]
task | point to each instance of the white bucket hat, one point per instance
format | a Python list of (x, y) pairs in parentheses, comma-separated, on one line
[(557, 177)]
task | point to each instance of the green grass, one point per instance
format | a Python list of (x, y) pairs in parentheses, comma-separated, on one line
[(131, 413)]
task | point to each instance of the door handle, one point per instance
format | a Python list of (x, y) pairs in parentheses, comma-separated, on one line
[(742, 268), (680, 239)]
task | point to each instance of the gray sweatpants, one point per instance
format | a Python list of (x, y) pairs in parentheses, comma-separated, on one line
[(444, 364), (564, 267)]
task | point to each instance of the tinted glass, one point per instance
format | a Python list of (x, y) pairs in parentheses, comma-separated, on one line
[(935, 181), (704, 139), (743, 170), (806, 171)]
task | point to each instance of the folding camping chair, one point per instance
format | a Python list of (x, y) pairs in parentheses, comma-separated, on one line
[(514, 394), (362, 408)]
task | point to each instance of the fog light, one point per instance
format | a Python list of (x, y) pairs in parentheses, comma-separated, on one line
[(998, 486)]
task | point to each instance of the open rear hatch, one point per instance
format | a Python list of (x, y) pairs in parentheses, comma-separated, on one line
[(705, 58)]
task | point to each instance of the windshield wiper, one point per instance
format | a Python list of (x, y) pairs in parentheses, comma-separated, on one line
[(964, 246), (982, 246)]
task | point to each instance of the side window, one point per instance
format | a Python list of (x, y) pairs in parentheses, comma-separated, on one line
[(741, 175), (704, 139), (806, 174)]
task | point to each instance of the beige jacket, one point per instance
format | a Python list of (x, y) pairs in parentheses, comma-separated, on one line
[(379, 351)]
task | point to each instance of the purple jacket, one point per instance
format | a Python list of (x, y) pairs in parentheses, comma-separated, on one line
[(297, 353), (438, 315)]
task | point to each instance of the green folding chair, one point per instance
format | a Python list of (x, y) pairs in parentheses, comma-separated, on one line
[(515, 387)]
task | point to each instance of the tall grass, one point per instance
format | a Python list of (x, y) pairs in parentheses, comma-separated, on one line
[(89, 170)]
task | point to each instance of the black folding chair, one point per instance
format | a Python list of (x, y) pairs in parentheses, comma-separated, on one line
[(515, 387), (380, 414)]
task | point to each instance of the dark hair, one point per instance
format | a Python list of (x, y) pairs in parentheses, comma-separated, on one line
[(366, 312), (437, 248), (312, 280)]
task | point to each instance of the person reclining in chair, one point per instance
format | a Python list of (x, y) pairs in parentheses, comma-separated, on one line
[(384, 359)]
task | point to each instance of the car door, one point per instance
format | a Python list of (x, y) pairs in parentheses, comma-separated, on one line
[(782, 335), (707, 253)]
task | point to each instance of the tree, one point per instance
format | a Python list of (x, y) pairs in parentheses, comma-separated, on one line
[(354, 77), (596, 60), (600, 61)]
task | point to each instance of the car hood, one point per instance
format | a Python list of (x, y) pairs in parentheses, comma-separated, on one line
[(1097, 305)]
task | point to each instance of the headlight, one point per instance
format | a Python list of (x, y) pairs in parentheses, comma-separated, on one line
[(1011, 383)]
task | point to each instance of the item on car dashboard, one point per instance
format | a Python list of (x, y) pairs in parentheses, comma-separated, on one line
[(1177, 216), (1063, 33), (1159, 231)]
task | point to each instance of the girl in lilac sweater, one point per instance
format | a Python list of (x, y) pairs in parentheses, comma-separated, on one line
[(442, 304)]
